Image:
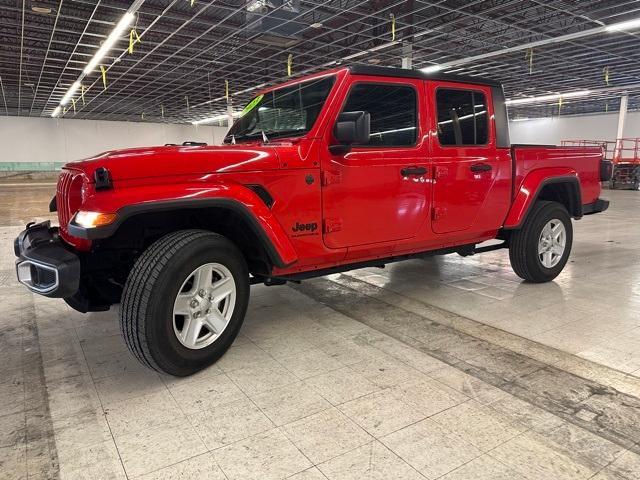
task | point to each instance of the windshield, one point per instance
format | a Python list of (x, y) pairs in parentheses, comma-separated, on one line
[(289, 111)]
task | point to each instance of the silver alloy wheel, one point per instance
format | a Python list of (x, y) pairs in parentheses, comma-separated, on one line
[(204, 305), (552, 243)]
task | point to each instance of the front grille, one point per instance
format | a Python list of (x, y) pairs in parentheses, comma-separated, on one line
[(62, 198), (68, 199)]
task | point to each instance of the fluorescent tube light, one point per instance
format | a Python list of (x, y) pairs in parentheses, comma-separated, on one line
[(215, 118), (384, 45), (627, 25), (355, 55), (113, 37), (548, 98), (432, 68), (70, 92), (56, 111)]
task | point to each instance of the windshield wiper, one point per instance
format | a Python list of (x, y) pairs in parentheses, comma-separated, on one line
[(282, 133)]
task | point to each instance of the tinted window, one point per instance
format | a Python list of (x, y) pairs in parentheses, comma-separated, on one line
[(462, 117), (393, 112)]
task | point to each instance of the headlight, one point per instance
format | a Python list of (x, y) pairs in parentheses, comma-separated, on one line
[(93, 219)]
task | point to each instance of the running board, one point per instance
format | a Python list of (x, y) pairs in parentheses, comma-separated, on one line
[(472, 250)]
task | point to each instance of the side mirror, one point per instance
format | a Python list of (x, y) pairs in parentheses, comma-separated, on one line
[(351, 128)]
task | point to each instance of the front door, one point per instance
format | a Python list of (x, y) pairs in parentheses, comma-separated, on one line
[(465, 164), (379, 192)]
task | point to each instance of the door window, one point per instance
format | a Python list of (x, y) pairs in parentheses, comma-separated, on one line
[(462, 117), (393, 112)]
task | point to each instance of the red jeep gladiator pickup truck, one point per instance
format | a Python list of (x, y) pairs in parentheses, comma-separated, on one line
[(347, 168)]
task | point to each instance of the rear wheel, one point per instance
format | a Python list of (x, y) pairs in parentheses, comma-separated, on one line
[(184, 301), (540, 249)]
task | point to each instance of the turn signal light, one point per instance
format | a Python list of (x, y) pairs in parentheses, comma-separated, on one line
[(93, 219)]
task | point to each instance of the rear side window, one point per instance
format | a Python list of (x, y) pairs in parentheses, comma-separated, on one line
[(393, 112), (462, 117)]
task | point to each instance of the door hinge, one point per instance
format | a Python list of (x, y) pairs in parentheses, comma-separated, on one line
[(329, 178), (440, 172), (332, 225), (438, 212)]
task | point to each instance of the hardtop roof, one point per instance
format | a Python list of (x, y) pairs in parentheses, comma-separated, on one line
[(358, 69)]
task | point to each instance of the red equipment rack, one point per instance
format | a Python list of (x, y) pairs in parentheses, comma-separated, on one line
[(625, 155)]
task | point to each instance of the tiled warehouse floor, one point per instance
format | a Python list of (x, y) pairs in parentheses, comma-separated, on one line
[(436, 368)]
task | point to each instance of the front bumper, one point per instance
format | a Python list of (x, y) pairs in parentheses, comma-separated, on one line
[(44, 264)]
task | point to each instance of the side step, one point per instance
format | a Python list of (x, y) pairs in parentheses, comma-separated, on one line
[(472, 249)]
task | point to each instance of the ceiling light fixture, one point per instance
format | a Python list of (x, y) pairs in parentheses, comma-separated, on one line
[(215, 118), (113, 37), (626, 25), (569, 37), (548, 98), (41, 10), (355, 55), (72, 89), (432, 68), (383, 46)]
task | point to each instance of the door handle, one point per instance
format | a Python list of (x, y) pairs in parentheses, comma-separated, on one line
[(480, 167), (406, 171)]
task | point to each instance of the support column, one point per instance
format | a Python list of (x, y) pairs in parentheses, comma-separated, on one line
[(407, 55), (622, 117), (229, 115)]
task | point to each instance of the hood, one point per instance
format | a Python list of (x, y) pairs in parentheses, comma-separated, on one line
[(180, 160)]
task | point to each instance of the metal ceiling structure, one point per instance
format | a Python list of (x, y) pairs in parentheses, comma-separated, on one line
[(188, 49)]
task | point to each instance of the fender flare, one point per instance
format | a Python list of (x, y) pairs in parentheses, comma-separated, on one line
[(528, 194), (257, 215)]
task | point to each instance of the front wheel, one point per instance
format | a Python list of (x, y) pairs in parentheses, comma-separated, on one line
[(184, 301), (540, 249)]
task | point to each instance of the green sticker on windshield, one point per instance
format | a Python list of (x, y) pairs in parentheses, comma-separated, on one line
[(252, 104)]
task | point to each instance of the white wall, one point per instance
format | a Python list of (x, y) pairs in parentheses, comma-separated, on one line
[(46, 143), (579, 127)]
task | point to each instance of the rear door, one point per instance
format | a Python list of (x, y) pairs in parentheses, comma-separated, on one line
[(378, 192), (465, 163)]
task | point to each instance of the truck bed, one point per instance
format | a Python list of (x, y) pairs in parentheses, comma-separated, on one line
[(582, 162)]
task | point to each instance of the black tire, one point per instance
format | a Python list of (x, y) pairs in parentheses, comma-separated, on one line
[(523, 243), (146, 310)]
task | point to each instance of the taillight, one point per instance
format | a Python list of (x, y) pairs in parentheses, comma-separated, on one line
[(606, 170)]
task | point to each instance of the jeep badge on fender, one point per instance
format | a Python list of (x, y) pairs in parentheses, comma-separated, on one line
[(305, 227)]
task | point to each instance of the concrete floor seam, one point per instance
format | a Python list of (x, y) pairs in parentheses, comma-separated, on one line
[(559, 403)]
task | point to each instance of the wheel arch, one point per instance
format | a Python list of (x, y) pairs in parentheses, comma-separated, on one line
[(228, 217), (564, 189)]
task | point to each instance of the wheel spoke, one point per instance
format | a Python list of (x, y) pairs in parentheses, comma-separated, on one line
[(558, 249), (222, 289), (215, 321), (191, 330), (203, 277), (182, 307), (547, 258), (557, 230)]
